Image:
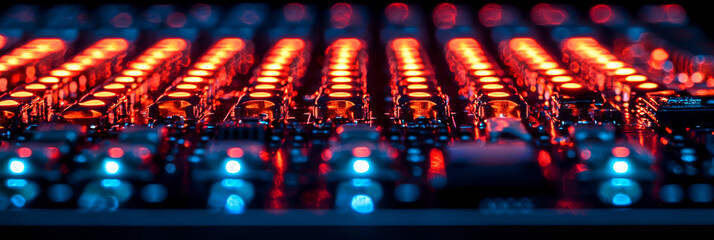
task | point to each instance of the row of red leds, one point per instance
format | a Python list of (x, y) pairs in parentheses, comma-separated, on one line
[(344, 83), (191, 95), (49, 92), (269, 91), (25, 63), (146, 73)]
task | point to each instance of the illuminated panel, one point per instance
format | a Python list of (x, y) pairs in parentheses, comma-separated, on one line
[(42, 97), (344, 97), (481, 82), (3, 41), (409, 66), (602, 70), (548, 84), (27, 62), (189, 97), (284, 63), (131, 87)]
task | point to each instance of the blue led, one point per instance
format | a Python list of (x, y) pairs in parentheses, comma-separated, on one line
[(18, 201), (233, 167), (232, 182), (17, 166), (110, 183), (362, 204), (620, 167), (15, 183), (111, 167), (360, 166), (621, 199), (621, 182), (235, 204)]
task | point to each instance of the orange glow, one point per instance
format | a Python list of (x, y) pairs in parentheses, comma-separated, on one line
[(104, 94), (414, 73), (411, 66), (272, 66), (489, 79), (35, 86), (498, 94), (417, 86), (6, 103), (133, 73), (141, 66), (457, 44), (659, 55), (192, 79), (92, 103), (340, 94), (484, 72), (400, 43), (559, 79), (547, 65), (341, 86), (648, 86), (555, 71), (270, 73), (264, 86), (416, 79), (625, 71), (291, 43), (571, 85), (115, 86), (200, 73), (339, 66), (267, 80), (73, 66), (49, 80), (340, 73), (635, 78), (341, 80), (419, 94), (60, 73), (124, 79), (21, 94), (480, 66), (614, 65), (492, 86), (179, 94), (186, 86), (260, 94)]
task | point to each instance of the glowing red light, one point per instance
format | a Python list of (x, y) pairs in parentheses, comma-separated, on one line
[(116, 152), (24, 152), (620, 152), (340, 15), (294, 12), (235, 152), (361, 152), (544, 158), (490, 15), (445, 15), (545, 14), (397, 12), (601, 13)]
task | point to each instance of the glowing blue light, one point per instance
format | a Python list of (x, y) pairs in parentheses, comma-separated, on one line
[(620, 166), (235, 204), (362, 204), (110, 183), (361, 182), (360, 166), (621, 199), (18, 201), (621, 182), (232, 182), (111, 167), (16, 183), (17, 166), (233, 167)]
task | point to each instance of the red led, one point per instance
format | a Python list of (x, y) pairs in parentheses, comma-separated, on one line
[(620, 152), (24, 152), (361, 152), (235, 152), (116, 152)]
